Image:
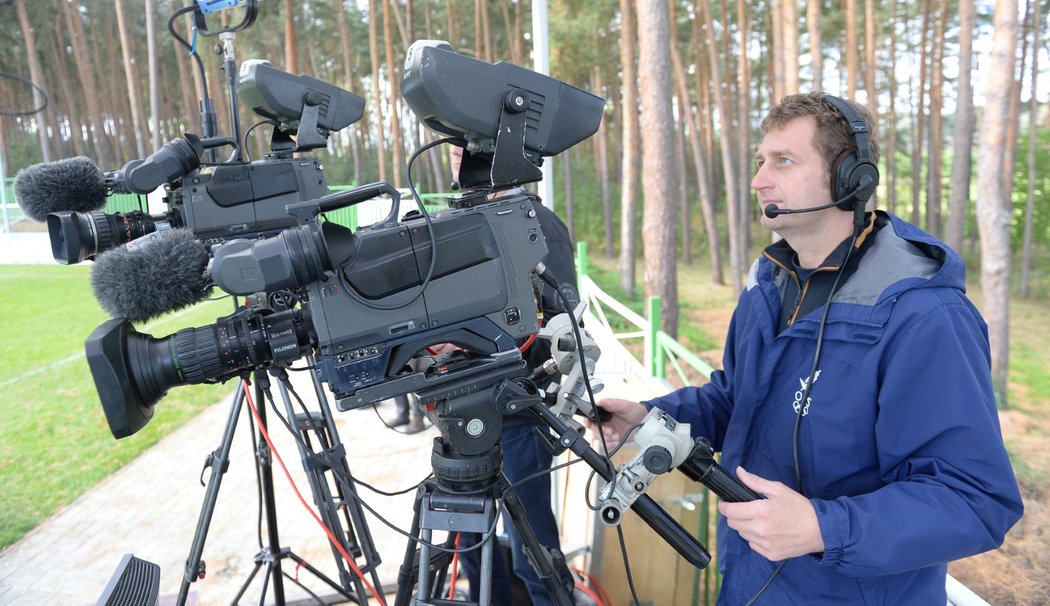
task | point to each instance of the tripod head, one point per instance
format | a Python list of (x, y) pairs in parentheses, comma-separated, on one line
[(469, 401)]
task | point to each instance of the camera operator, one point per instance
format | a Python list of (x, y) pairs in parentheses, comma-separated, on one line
[(524, 454), (896, 465)]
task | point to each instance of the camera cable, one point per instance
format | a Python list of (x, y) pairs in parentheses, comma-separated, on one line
[(547, 276), (331, 537), (430, 232), (348, 480), (34, 86)]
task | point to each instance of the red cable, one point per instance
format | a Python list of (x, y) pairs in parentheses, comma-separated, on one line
[(597, 586), (452, 577), (590, 593), (331, 536), (527, 343)]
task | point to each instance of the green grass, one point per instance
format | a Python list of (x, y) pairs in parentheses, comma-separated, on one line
[(54, 440)]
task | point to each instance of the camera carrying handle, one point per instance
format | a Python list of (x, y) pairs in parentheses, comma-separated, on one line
[(306, 212)]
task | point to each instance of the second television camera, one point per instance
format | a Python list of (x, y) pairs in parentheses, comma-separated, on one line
[(217, 202)]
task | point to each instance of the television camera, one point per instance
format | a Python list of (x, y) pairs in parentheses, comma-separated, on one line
[(217, 202)]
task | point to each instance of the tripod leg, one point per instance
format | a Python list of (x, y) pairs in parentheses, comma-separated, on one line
[(266, 476), (542, 561), (405, 576), (219, 462)]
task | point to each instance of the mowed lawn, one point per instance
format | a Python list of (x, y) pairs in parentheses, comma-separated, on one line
[(54, 441)]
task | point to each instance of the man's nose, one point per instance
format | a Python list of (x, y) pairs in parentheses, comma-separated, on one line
[(760, 180)]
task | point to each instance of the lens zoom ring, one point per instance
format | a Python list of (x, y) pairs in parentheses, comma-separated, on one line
[(103, 228), (197, 355)]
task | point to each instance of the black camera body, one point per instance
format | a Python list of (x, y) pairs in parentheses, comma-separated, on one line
[(228, 201), (480, 296)]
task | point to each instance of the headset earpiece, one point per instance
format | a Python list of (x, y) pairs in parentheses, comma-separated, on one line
[(854, 175)]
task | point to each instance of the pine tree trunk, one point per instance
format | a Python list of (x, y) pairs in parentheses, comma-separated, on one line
[(728, 170), (377, 98), (816, 54), (392, 73), (962, 160), (743, 131), (629, 159), (1013, 122), (82, 59), (1033, 112), (154, 75), (291, 49), (870, 26), (916, 159), (707, 211), (658, 179), (602, 160), (453, 39), (76, 119), (789, 29), (849, 7), (37, 75), (566, 180), (684, 207), (993, 205), (933, 170), (350, 82), (776, 62), (890, 153)]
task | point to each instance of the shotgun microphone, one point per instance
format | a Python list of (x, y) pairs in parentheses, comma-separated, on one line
[(152, 275)]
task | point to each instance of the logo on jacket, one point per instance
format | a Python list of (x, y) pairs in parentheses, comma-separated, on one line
[(798, 406)]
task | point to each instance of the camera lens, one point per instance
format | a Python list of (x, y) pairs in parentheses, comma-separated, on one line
[(79, 236), (133, 371)]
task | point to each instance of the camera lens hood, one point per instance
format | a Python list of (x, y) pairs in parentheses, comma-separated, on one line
[(107, 353)]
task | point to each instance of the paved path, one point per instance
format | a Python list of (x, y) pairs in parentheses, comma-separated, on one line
[(151, 506)]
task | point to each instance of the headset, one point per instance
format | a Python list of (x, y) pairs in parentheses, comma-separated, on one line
[(854, 175)]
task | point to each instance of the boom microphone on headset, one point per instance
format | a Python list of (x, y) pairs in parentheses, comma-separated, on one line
[(72, 184), (773, 211), (151, 275)]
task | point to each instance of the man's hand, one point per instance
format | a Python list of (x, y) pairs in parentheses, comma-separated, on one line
[(625, 413), (781, 526)]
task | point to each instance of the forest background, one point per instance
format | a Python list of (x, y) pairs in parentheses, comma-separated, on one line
[(955, 86)]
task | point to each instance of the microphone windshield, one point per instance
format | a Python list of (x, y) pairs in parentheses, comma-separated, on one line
[(74, 184), (151, 275), (772, 211)]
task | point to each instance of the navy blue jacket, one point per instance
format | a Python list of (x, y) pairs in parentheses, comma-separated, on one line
[(900, 448)]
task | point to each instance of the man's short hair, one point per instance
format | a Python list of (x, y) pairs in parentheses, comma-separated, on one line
[(833, 137)]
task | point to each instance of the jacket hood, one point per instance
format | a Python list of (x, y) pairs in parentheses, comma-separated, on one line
[(902, 257)]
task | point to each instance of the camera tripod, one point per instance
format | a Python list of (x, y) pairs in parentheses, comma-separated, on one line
[(468, 406), (324, 460), (463, 497)]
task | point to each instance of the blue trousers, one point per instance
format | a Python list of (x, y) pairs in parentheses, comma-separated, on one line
[(523, 455)]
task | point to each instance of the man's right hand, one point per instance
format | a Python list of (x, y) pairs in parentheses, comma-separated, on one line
[(625, 414)]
